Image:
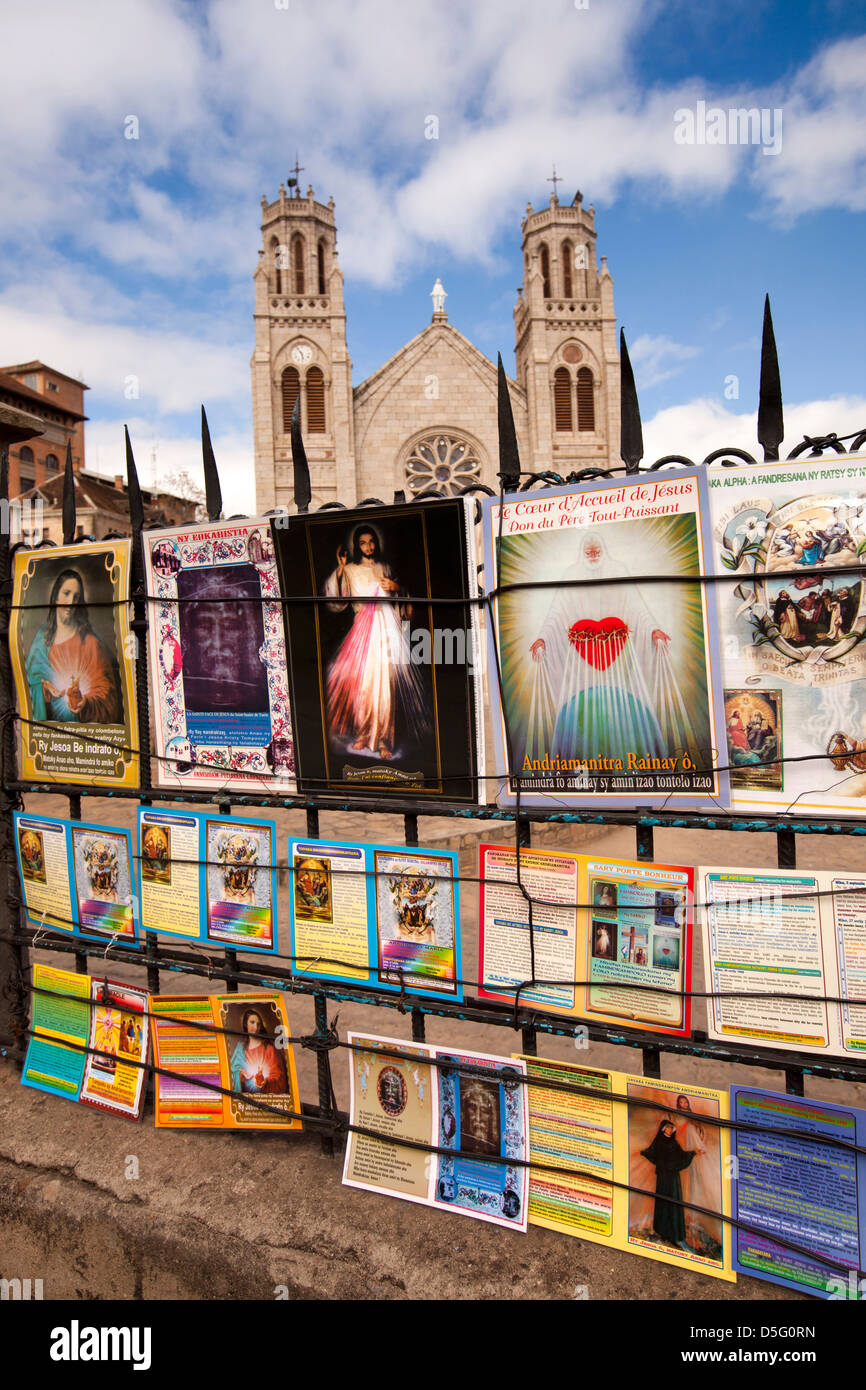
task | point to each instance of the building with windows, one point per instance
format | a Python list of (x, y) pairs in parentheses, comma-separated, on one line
[(428, 416), (101, 509), (58, 401)]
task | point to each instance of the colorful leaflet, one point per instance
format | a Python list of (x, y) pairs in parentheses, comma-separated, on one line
[(208, 878), (792, 933), (792, 613), (76, 877), (220, 1043), (472, 1106), (811, 1193), (220, 697), (115, 1073), (72, 659), (611, 937), (384, 654), (371, 913), (107, 1023), (60, 1014), (663, 1145), (603, 649)]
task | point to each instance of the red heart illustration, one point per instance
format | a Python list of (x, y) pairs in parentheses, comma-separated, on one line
[(598, 643)]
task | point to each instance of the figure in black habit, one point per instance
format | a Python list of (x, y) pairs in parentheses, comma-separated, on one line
[(669, 1160)]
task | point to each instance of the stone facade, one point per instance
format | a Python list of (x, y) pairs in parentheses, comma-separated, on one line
[(428, 417)]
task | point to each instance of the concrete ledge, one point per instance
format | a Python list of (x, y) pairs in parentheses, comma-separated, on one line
[(229, 1216)]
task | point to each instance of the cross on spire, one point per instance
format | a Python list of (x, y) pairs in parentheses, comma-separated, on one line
[(554, 179), (298, 169)]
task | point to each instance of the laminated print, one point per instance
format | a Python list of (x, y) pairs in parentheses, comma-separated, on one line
[(383, 652), (795, 940), (675, 1156), (651, 1177), (60, 1024), (789, 544), (77, 878), (474, 1105), (225, 1062), (381, 915), (73, 664), (103, 879), (611, 937), (814, 1198), (603, 651), (208, 878), (115, 1072), (219, 689), (483, 1118)]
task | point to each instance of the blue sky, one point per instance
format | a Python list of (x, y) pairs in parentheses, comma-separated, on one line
[(132, 259)]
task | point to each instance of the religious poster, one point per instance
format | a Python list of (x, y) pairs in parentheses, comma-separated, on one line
[(789, 543), (603, 652), (474, 1104), (393, 1096), (115, 1072), (387, 916), (793, 1188), (778, 946), (73, 664), (611, 938), (77, 878), (219, 688), (634, 1165), (384, 655), (483, 1110), (208, 878), (225, 1061)]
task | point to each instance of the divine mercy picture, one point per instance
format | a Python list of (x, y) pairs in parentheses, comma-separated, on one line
[(384, 702), (604, 643)]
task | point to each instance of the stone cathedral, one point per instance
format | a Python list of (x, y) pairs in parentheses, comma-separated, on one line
[(427, 417)]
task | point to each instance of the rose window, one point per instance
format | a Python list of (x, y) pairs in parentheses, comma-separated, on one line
[(441, 461)]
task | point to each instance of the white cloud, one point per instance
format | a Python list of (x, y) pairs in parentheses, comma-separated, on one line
[(226, 93), (823, 159), (657, 358), (126, 365), (698, 427), (159, 453)]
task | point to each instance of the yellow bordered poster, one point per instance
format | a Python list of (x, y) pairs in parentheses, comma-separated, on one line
[(73, 663), (650, 1161)]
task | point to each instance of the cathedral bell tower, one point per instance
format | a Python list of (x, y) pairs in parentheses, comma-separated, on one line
[(565, 341), (301, 351)]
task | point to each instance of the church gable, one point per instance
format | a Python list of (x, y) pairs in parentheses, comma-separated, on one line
[(439, 385)]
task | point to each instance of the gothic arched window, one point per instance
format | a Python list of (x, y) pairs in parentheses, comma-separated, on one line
[(52, 463), (298, 265), (315, 385), (585, 401), (291, 387), (562, 415), (320, 255), (545, 271), (278, 265), (567, 258), (443, 461)]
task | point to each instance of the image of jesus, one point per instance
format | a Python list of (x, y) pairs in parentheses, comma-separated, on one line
[(373, 690), (70, 673), (256, 1065), (608, 660)]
